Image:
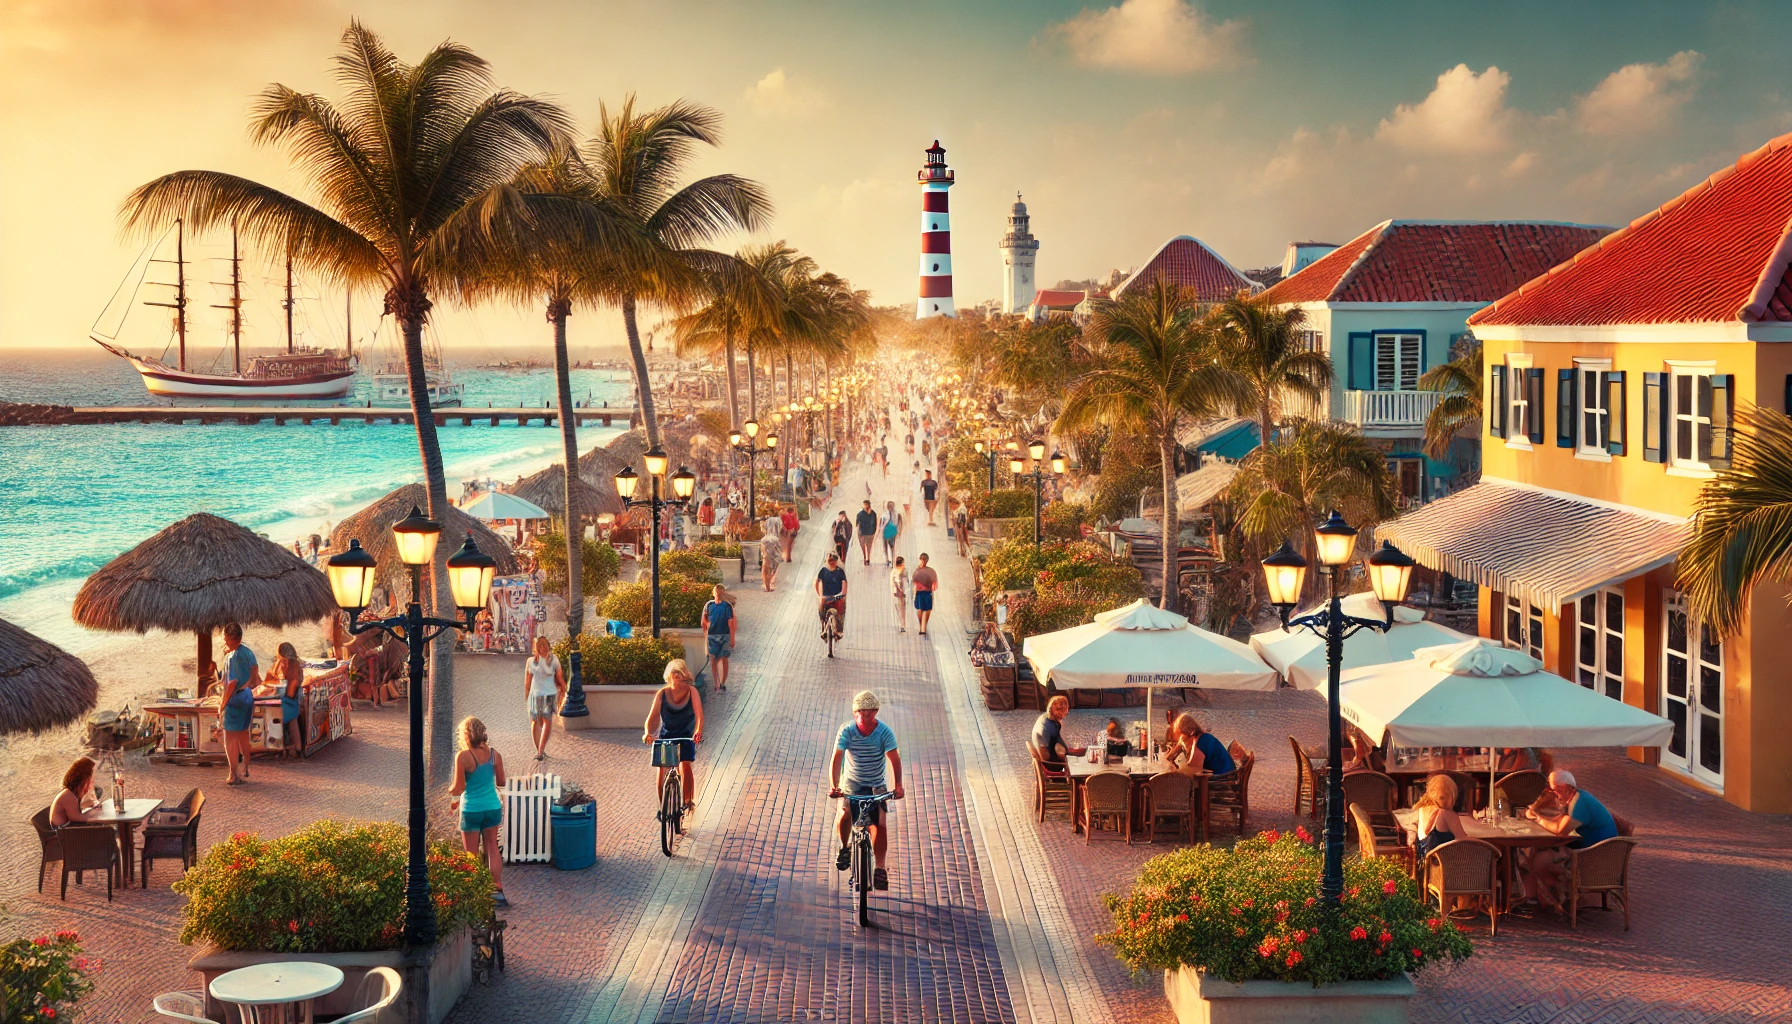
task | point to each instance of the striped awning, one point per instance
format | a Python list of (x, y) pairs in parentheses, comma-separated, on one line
[(1548, 547), (1195, 490)]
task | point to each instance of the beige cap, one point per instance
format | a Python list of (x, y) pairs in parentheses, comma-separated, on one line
[(865, 700)]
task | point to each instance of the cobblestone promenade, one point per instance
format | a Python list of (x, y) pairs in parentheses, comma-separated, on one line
[(990, 915)]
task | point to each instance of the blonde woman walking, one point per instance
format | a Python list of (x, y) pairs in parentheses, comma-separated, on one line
[(545, 685), (899, 593), (478, 772)]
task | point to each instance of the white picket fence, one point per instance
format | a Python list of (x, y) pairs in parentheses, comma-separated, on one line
[(528, 832)]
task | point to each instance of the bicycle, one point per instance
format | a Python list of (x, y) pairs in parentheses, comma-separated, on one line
[(671, 812), (860, 843), (831, 630)]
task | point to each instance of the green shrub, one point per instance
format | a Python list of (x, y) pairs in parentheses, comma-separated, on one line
[(1252, 912), (681, 600), (693, 564), (1063, 520), (41, 979), (331, 887), (715, 548), (598, 564), (606, 660), (1010, 503), (1017, 564), (1047, 613), (1011, 565)]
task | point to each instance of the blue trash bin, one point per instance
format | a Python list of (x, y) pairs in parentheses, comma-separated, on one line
[(575, 836)]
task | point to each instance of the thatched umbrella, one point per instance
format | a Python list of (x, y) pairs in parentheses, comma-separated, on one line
[(42, 686), (598, 467), (372, 526), (199, 574), (627, 449), (548, 489)]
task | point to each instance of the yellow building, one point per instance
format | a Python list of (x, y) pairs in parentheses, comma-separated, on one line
[(1611, 382)]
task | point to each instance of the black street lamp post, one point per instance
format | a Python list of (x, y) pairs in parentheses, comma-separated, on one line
[(470, 579), (748, 449), (1017, 467), (989, 453), (683, 483), (1390, 572)]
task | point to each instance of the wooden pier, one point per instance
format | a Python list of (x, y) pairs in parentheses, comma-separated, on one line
[(281, 415)]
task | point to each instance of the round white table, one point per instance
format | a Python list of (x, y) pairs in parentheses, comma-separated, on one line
[(255, 989)]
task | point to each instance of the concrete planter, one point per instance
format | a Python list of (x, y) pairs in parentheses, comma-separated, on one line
[(1199, 999), (614, 707), (732, 569), (435, 978)]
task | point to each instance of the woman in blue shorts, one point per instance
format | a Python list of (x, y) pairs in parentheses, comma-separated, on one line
[(478, 772), (677, 715)]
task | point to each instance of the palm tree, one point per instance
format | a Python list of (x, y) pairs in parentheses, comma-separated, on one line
[(636, 160), (410, 181), (1742, 523), (1460, 380), (1286, 486), (1261, 344), (738, 297), (1154, 366)]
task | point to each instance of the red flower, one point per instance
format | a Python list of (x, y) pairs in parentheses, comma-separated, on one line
[(1271, 836), (1281, 904), (1417, 952), (1283, 916), (1236, 912), (41, 940), (1385, 938), (50, 1011), (1433, 923), (1300, 936), (1249, 902), (1301, 833), (1359, 933), (1181, 917), (1294, 958), (1389, 887), (292, 926), (1269, 946), (1238, 931), (237, 837), (1354, 890), (66, 934), (1310, 901)]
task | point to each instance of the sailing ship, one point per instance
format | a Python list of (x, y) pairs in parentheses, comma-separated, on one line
[(392, 383), (301, 372)]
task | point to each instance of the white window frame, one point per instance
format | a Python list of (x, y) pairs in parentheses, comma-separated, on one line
[(1531, 626), (1690, 371), (1312, 341), (1599, 675), (1590, 402), (1689, 760), (1399, 340), (1518, 403)]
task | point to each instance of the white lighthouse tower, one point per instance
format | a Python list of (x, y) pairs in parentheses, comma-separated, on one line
[(936, 237), (1019, 250)]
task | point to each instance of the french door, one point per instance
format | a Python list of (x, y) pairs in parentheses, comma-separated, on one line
[(1692, 697), (1599, 651), (1524, 627)]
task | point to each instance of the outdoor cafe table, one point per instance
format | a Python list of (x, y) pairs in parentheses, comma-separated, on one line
[(127, 820), (1509, 834), (1419, 767), (254, 989), (1140, 771)]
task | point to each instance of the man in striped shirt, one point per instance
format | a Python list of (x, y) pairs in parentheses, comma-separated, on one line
[(862, 747)]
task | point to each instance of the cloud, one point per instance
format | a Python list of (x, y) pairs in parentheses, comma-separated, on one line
[(1640, 97), (1466, 114), (1152, 37), (778, 93)]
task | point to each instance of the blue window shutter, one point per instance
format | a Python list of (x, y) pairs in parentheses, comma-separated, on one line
[(1361, 353), (1723, 396), (1567, 412), (1615, 420), (1496, 398), (1655, 418), (1533, 393)]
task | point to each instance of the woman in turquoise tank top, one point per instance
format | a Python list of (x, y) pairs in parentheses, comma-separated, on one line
[(478, 772)]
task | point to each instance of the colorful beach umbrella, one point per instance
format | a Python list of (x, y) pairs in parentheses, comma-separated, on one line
[(494, 505)]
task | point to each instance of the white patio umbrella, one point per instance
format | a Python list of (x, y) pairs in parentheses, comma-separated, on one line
[(1299, 655), (1480, 694), (494, 505), (1141, 645)]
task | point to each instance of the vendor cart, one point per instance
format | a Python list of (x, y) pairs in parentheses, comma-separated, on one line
[(191, 732)]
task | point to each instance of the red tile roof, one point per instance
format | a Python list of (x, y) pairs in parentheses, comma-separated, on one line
[(1718, 253), (1436, 261), (1190, 263), (1058, 298)]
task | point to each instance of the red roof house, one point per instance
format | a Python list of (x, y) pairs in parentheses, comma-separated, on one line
[(1189, 262)]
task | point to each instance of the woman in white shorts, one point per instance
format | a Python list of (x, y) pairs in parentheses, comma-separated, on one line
[(546, 687)]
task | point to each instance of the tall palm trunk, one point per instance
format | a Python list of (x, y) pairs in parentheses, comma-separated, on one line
[(649, 420), (1167, 451), (789, 397), (1264, 423), (439, 601), (733, 381), (558, 310), (752, 386)]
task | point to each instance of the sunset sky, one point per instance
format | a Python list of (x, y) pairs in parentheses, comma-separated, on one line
[(1247, 124)]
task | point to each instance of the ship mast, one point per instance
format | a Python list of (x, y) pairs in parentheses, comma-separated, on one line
[(288, 303), (179, 305), (348, 314), (235, 305)]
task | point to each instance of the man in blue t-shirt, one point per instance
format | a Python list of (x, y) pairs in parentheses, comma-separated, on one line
[(718, 630), (862, 747), (830, 587)]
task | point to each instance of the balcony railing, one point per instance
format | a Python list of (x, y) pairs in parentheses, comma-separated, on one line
[(1369, 409)]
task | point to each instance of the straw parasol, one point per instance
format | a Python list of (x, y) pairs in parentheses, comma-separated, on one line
[(42, 686), (548, 490), (372, 526), (199, 574)]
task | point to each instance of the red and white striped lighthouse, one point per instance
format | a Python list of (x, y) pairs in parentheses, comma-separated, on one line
[(936, 237)]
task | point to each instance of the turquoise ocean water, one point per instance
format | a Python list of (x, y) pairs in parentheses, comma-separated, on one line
[(72, 498)]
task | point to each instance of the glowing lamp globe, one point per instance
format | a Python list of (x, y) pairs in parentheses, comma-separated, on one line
[(1017, 465), (1336, 540), (683, 483), (626, 482), (657, 462), (470, 573), (771, 440), (734, 438), (1284, 572), (1058, 463), (351, 577), (1036, 449), (751, 427), (1390, 573), (416, 536)]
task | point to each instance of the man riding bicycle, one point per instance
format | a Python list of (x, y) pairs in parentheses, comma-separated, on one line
[(830, 587), (869, 742)]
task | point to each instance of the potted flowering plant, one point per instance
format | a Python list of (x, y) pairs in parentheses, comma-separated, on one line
[(1241, 934), (42, 978)]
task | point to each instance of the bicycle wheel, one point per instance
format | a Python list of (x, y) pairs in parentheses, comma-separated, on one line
[(832, 630), (671, 809), (862, 876)]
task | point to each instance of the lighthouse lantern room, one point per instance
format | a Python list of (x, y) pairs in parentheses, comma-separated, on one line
[(936, 237)]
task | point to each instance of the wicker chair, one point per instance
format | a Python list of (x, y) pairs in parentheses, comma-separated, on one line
[(49, 843), (1231, 792), (1051, 786), (177, 839), (1306, 781), (1170, 797), (1464, 867), (1374, 792), (1107, 805), (1372, 845), (1602, 868), (89, 848), (187, 1006), (1523, 787)]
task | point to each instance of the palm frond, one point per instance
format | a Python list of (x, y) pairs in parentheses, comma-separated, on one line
[(1742, 523), (710, 206)]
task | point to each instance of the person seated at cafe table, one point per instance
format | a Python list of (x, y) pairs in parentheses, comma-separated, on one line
[(1545, 875), (1048, 734), (76, 802), (1193, 749), (1438, 821), (1118, 746)]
